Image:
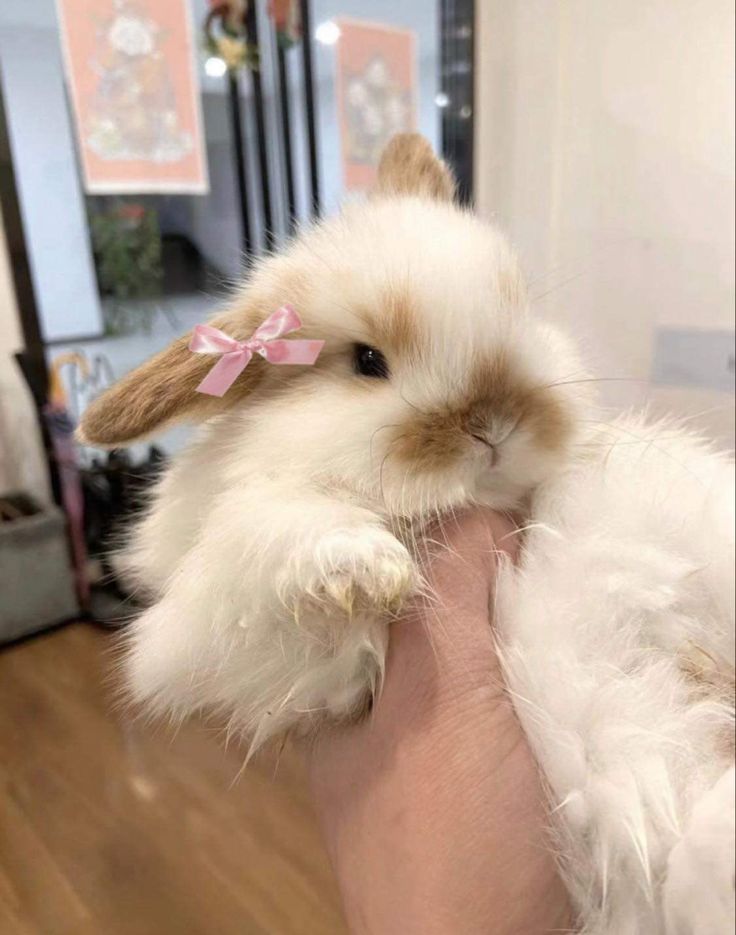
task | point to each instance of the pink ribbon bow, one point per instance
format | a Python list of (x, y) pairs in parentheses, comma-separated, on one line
[(236, 355)]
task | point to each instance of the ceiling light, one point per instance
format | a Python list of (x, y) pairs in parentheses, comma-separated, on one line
[(327, 33), (215, 67)]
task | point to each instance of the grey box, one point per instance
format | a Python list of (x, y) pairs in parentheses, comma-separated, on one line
[(36, 581), (703, 358)]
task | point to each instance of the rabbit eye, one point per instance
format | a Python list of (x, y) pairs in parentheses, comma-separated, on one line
[(370, 362)]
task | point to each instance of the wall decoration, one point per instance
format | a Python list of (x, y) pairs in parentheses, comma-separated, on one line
[(131, 71), (126, 240), (226, 35), (287, 19), (376, 93)]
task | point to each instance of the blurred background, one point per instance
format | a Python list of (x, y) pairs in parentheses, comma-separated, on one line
[(150, 150)]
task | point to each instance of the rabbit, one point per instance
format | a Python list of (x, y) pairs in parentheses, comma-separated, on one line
[(280, 545)]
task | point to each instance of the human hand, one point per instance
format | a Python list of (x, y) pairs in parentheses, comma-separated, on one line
[(431, 808)]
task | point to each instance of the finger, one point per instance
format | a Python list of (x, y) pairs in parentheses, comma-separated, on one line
[(451, 625)]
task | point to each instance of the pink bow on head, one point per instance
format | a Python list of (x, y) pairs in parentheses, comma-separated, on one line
[(236, 355)]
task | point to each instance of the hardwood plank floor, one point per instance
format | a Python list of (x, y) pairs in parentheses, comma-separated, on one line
[(109, 827)]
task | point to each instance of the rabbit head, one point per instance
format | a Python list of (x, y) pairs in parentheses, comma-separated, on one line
[(435, 386)]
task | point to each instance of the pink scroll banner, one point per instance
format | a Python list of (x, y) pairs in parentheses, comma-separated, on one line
[(131, 70)]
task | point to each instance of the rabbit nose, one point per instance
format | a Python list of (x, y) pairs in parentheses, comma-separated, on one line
[(492, 448)]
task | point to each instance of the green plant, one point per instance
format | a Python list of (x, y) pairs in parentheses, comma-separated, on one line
[(127, 245)]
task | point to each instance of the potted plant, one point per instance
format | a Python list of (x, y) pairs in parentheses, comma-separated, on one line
[(127, 245)]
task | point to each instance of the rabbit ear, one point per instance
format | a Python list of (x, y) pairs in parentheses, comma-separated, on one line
[(409, 167), (163, 390)]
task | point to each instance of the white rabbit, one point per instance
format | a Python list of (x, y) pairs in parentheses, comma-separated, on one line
[(278, 547)]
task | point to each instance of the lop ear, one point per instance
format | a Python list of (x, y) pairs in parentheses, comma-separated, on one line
[(408, 166), (163, 390)]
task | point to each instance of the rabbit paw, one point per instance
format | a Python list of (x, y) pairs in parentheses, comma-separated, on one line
[(352, 570), (699, 889)]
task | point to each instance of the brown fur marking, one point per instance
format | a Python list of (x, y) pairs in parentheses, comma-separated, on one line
[(709, 677), (409, 167), (164, 389), (393, 328), (713, 680), (433, 440)]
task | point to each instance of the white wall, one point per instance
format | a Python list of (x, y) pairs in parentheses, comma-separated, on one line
[(22, 465), (605, 147), (48, 182)]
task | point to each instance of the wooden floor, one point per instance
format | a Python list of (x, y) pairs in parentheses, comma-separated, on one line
[(111, 828)]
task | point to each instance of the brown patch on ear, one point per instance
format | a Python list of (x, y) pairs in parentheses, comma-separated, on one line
[(163, 390), (408, 166)]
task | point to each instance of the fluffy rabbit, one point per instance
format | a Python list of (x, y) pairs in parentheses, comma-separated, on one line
[(278, 547)]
